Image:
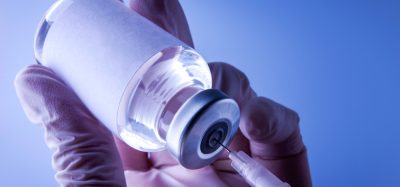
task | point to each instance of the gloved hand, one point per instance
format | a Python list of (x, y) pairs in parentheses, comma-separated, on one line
[(87, 154)]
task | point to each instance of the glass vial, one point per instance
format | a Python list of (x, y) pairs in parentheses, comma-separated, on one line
[(142, 83)]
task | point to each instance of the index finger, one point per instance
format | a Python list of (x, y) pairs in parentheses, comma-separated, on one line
[(167, 14)]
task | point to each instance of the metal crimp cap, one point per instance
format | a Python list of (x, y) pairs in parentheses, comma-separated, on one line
[(201, 122)]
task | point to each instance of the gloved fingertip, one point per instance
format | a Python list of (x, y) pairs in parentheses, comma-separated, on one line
[(24, 76), (264, 120), (42, 94), (256, 122), (27, 85), (167, 14), (30, 78), (272, 129)]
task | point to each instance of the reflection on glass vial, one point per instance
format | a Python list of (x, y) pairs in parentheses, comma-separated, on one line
[(174, 77)]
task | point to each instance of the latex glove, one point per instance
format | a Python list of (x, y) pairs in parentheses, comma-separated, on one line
[(271, 131), (84, 151)]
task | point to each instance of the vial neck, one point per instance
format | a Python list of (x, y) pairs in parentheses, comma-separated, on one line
[(172, 107)]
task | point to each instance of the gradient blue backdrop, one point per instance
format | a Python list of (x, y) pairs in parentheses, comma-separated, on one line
[(336, 63)]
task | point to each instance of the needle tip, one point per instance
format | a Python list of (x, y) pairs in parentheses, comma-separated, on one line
[(224, 146)]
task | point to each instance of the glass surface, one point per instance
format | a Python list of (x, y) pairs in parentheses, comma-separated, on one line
[(57, 8), (177, 74)]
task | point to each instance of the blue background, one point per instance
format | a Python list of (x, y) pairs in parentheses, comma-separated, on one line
[(336, 63)]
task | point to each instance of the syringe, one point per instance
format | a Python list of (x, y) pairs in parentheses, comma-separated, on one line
[(254, 173)]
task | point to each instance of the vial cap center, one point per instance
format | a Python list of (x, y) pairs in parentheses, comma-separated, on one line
[(216, 133)]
